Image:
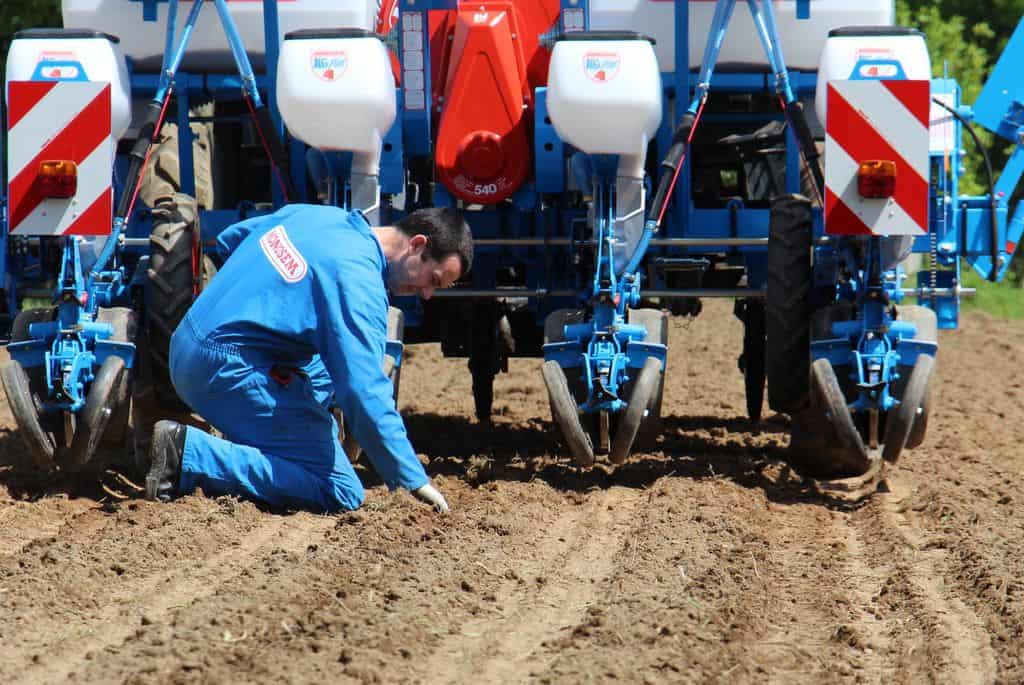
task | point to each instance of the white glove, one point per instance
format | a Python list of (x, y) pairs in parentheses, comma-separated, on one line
[(429, 494)]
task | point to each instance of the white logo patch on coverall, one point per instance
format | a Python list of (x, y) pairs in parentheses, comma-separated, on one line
[(283, 255)]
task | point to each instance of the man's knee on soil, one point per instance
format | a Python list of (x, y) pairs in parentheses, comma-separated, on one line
[(348, 496)]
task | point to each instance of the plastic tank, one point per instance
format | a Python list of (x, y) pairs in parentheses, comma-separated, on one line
[(866, 52), (604, 93), (208, 52), (802, 39), (336, 91), (74, 55)]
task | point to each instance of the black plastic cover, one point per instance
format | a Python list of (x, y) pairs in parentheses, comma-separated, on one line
[(64, 33), (604, 35), (873, 31), (312, 34)]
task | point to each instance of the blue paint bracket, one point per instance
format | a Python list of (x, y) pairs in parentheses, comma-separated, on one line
[(1000, 106)]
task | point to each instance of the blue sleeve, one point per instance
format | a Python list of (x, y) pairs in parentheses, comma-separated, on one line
[(352, 311)]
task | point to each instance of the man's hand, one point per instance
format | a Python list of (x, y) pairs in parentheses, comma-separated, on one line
[(429, 494)]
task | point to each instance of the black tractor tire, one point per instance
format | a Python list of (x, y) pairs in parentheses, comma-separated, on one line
[(788, 304), (171, 285), (162, 178)]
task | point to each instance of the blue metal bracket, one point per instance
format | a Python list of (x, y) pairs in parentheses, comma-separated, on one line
[(548, 149), (1000, 105), (947, 309), (149, 9), (414, 43), (395, 349), (767, 32)]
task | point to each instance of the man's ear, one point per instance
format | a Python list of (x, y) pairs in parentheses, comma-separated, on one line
[(418, 243)]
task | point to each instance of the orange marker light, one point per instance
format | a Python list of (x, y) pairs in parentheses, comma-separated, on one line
[(876, 178), (58, 178)]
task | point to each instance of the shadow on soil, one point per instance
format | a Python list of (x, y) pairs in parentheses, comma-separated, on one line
[(23, 480), (694, 447)]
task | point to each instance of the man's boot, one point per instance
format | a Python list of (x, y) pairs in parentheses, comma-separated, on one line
[(165, 453)]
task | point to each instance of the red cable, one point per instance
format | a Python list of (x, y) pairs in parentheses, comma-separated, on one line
[(266, 149)]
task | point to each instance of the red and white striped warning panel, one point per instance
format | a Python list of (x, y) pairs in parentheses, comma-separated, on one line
[(870, 121), (59, 120)]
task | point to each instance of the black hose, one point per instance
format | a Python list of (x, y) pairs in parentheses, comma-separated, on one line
[(668, 173), (138, 156), (993, 202), (275, 150), (670, 165), (795, 115)]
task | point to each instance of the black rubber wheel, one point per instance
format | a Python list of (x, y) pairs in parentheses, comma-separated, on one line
[(52, 425), (927, 329), (656, 323), (900, 421), (754, 357), (919, 431), (171, 286), (643, 390), (565, 413), (853, 455), (555, 322), (100, 404), (19, 327), (788, 305), (124, 321), (21, 398)]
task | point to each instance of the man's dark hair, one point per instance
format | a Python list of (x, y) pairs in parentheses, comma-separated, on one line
[(446, 231)]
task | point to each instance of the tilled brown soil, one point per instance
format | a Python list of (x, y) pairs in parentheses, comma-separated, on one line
[(706, 560)]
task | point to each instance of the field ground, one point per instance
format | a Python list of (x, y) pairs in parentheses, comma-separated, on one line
[(706, 559)]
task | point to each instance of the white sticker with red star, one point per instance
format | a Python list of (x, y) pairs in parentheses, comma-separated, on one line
[(329, 65), (602, 66)]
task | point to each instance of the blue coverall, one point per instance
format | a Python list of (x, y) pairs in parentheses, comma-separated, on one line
[(298, 313)]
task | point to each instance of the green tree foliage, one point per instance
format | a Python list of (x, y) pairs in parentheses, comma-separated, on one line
[(954, 48), (1001, 16), (16, 15), (957, 51), (965, 38)]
